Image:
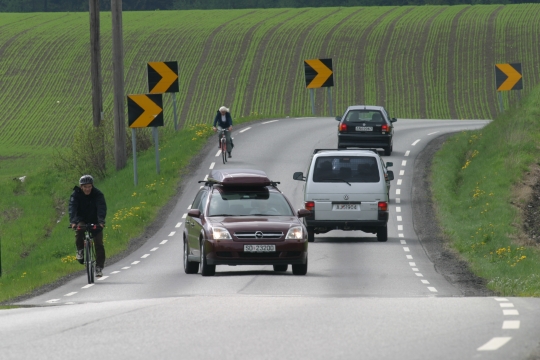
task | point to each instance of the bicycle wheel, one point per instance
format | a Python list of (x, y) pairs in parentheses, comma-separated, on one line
[(224, 151), (88, 262)]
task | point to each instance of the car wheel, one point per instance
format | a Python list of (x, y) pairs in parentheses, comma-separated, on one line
[(300, 269), (206, 270), (281, 267), (382, 234), (190, 267), (310, 235)]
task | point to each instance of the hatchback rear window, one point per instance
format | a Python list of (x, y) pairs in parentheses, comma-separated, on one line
[(357, 169), (372, 116)]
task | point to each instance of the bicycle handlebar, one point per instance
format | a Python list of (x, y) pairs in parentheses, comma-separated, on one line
[(86, 227)]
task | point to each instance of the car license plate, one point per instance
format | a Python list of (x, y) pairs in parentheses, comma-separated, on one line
[(259, 248), (346, 207), (364, 128)]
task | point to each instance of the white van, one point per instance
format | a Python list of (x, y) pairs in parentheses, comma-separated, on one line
[(346, 190)]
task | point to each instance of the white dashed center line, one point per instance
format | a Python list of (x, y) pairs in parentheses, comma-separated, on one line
[(102, 278), (163, 242), (412, 263), (511, 324), (403, 242), (404, 163), (409, 257), (154, 249), (172, 233), (407, 153), (398, 191), (135, 262), (398, 209), (71, 293), (401, 172), (406, 249), (212, 165), (416, 142), (432, 289), (178, 225), (510, 312), (126, 267), (115, 272), (218, 153), (184, 216), (399, 182), (424, 282), (399, 218), (145, 256), (400, 227), (506, 305), (87, 286)]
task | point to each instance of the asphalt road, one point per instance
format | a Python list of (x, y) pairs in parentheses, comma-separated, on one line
[(360, 298)]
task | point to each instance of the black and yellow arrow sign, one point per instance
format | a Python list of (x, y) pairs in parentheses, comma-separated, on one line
[(319, 73), (508, 77), (145, 110), (163, 77)]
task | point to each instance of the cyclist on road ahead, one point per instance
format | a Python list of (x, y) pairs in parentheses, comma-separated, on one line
[(87, 206), (223, 120)]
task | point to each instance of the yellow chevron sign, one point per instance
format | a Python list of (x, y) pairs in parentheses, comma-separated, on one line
[(319, 73), (145, 110), (162, 77), (508, 77)]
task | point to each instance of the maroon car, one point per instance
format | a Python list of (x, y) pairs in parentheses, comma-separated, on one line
[(240, 217)]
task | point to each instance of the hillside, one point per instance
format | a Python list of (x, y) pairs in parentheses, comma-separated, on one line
[(419, 62)]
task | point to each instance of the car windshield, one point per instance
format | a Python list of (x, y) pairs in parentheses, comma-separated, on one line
[(354, 169), (248, 203), (373, 116)]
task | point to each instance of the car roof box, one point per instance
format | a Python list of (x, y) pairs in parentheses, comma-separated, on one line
[(239, 177)]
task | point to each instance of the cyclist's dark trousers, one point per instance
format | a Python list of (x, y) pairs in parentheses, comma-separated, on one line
[(227, 136), (98, 244)]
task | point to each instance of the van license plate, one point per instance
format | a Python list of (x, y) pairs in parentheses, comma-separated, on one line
[(346, 207), (259, 248), (364, 128)]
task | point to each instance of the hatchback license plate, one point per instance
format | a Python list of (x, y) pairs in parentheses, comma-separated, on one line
[(259, 248), (364, 128), (346, 207)]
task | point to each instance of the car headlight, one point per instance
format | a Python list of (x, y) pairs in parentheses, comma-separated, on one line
[(295, 233), (220, 233)]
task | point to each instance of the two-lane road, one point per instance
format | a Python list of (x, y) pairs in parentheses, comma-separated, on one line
[(360, 298)]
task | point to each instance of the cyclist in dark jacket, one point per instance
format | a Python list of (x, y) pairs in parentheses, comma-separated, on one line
[(87, 206), (223, 120)]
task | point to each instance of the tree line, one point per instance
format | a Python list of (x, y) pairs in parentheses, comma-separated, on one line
[(131, 5)]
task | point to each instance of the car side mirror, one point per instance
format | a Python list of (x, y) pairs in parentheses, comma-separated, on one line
[(390, 175), (303, 213), (299, 176), (196, 213), (389, 163), (393, 120), (338, 118)]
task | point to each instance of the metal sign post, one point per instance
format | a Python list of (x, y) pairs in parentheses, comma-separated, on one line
[(134, 146), (156, 145)]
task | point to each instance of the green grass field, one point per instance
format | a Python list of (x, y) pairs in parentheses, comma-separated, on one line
[(419, 62)]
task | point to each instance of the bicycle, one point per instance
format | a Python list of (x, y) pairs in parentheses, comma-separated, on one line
[(89, 250), (223, 144)]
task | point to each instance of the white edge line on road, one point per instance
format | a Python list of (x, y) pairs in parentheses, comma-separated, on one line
[(494, 344), (416, 142), (433, 133), (115, 272), (178, 225), (71, 293), (506, 305), (501, 299), (52, 301), (510, 312), (268, 122), (102, 278), (246, 129), (511, 324), (87, 286)]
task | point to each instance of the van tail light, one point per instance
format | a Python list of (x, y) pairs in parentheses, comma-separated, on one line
[(309, 205), (384, 128), (342, 127), (383, 210)]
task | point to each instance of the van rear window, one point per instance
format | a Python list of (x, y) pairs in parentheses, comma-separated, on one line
[(358, 169)]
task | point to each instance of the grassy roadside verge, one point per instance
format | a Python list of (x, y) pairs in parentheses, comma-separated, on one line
[(38, 248), (474, 180)]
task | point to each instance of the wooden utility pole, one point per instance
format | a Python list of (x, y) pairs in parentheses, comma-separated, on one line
[(118, 77), (95, 67)]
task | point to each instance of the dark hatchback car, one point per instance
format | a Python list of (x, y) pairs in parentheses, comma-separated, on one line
[(240, 217), (364, 126)]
